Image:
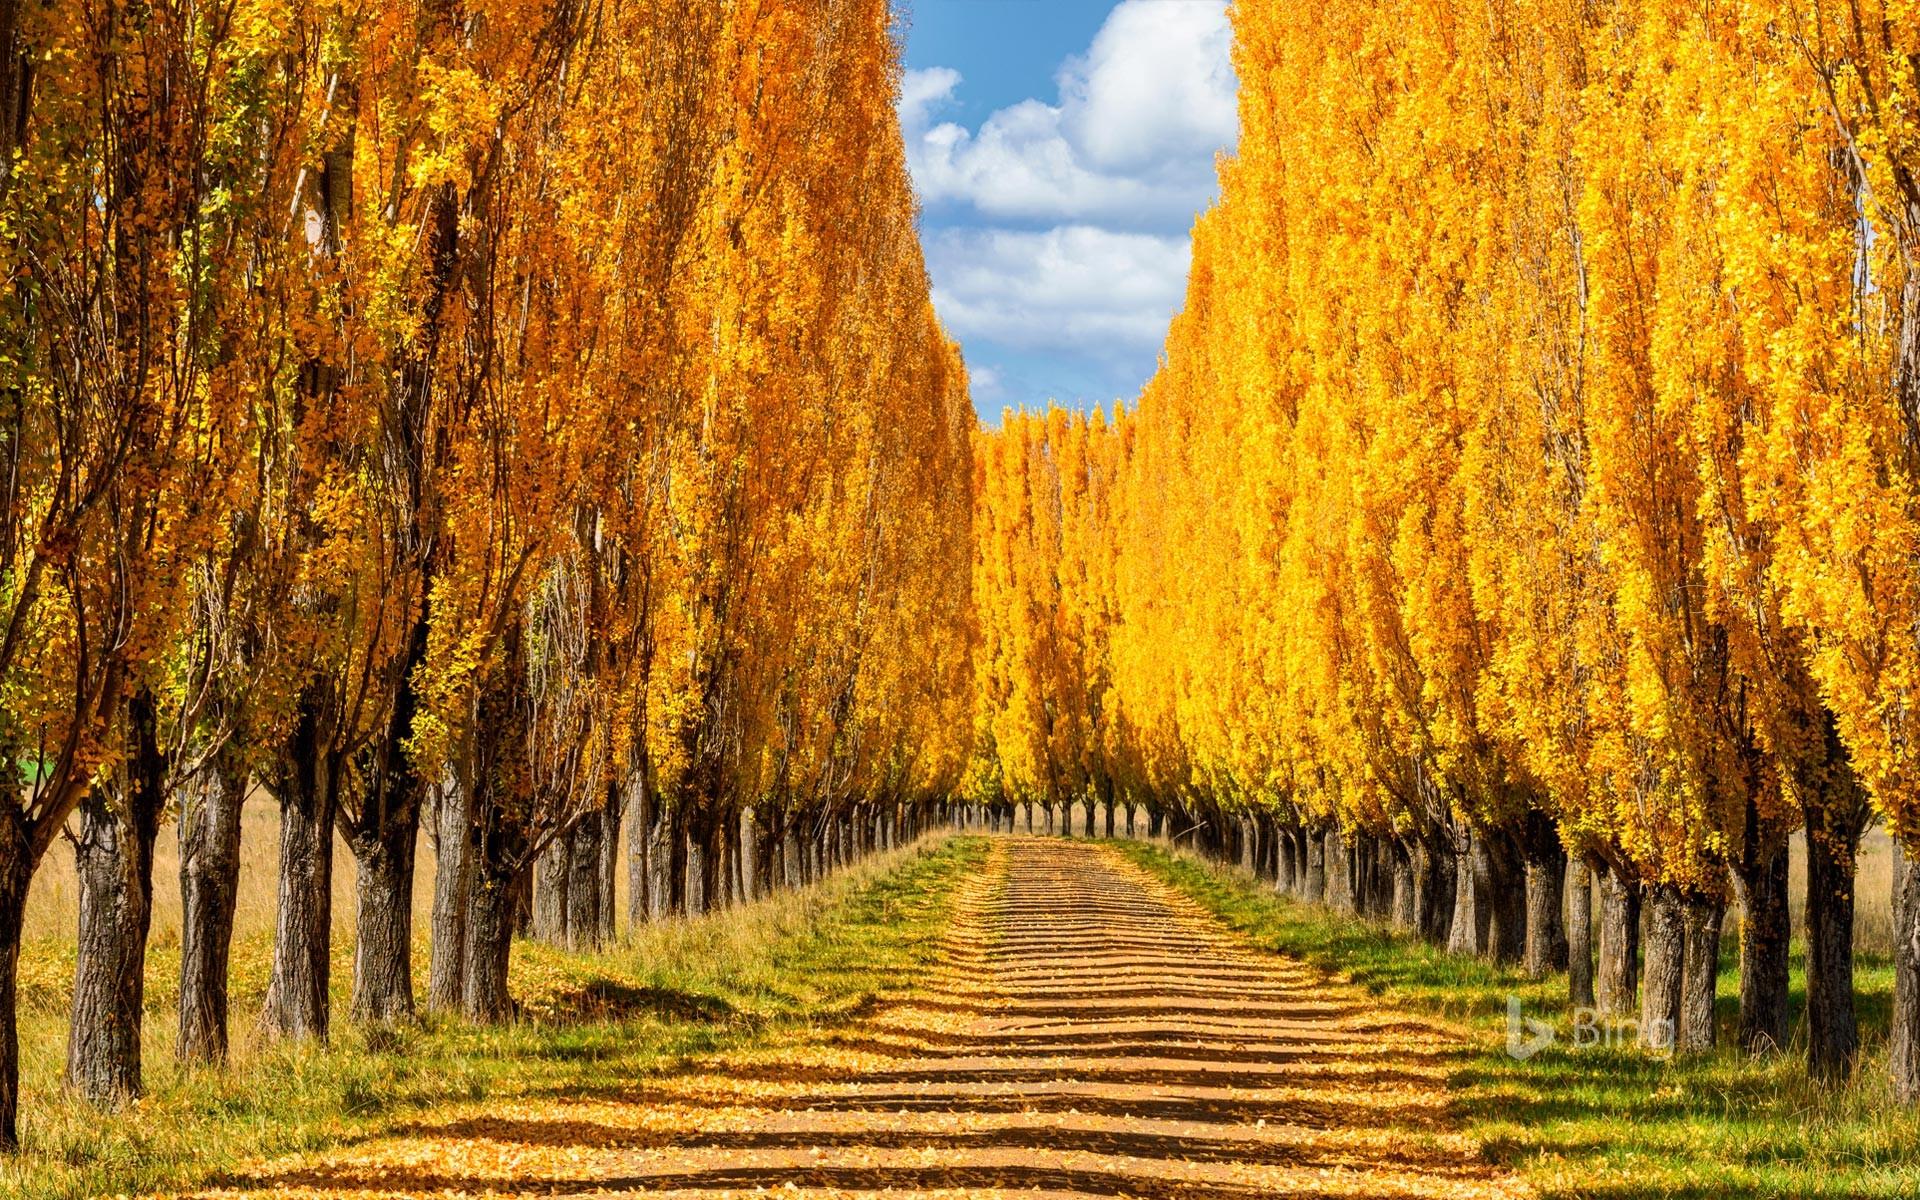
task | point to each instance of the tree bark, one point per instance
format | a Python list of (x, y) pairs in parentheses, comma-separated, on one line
[(639, 820), (1468, 931), (679, 857), (1405, 913), (1666, 959), (382, 832), (1766, 935), (659, 860), (296, 1004), (1701, 918), (1579, 932), (1617, 978), (1433, 891), (1546, 888), (1499, 859), (1833, 1033), (209, 889), (583, 890), (383, 922), (113, 860), (1546, 907), (552, 890), (484, 997), (452, 889), (1904, 1057), (610, 820), (1338, 872), (16, 873), (713, 857), (1316, 890)]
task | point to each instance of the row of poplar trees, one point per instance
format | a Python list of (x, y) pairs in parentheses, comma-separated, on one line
[(502, 415), (1529, 495)]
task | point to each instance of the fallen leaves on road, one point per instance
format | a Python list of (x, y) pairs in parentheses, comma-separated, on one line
[(1089, 1032)]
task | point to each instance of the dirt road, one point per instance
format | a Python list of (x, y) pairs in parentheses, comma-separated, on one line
[(1090, 1033)]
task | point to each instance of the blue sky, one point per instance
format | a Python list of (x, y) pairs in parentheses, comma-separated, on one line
[(1061, 149)]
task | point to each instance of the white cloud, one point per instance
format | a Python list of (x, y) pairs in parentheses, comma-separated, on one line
[(1157, 83), (922, 91), (1075, 288), (1131, 141)]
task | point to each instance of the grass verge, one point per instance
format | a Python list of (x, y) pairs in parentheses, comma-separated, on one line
[(1598, 1121), (674, 990)]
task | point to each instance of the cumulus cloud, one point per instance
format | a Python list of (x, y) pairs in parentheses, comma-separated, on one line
[(1076, 287), (922, 91), (1130, 141), (1157, 84)]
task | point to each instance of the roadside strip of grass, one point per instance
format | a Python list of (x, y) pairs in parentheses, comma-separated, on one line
[(1599, 1121), (678, 989)]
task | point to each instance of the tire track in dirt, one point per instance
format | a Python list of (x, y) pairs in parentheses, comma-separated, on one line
[(1089, 1032)]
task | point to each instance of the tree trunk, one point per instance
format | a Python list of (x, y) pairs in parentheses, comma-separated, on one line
[(1405, 913), (209, 888), (1579, 932), (1904, 1056), (1338, 871), (1546, 867), (1617, 977), (1316, 868), (750, 848), (640, 817), (113, 860), (1766, 935), (1666, 959), (1385, 862), (383, 921), (677, 859), (713, 857), (1500, 859), (1833, 1034), (583, 889), (452, 891), (1434, 875), (1701, 918), (484, 997), (296, 1004), (659, 860), (552, 889), (382, 835), (1468, 931), (609, 927), (16, 873)]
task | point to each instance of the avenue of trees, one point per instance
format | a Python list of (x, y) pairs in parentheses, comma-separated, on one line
[(1526, 503), (507, 418), (523, 423)]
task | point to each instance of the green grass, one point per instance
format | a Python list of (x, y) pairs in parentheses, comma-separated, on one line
[(591, 1021), (1597, 1122)]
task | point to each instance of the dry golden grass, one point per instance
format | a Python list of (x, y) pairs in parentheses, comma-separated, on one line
[(53, 903)]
